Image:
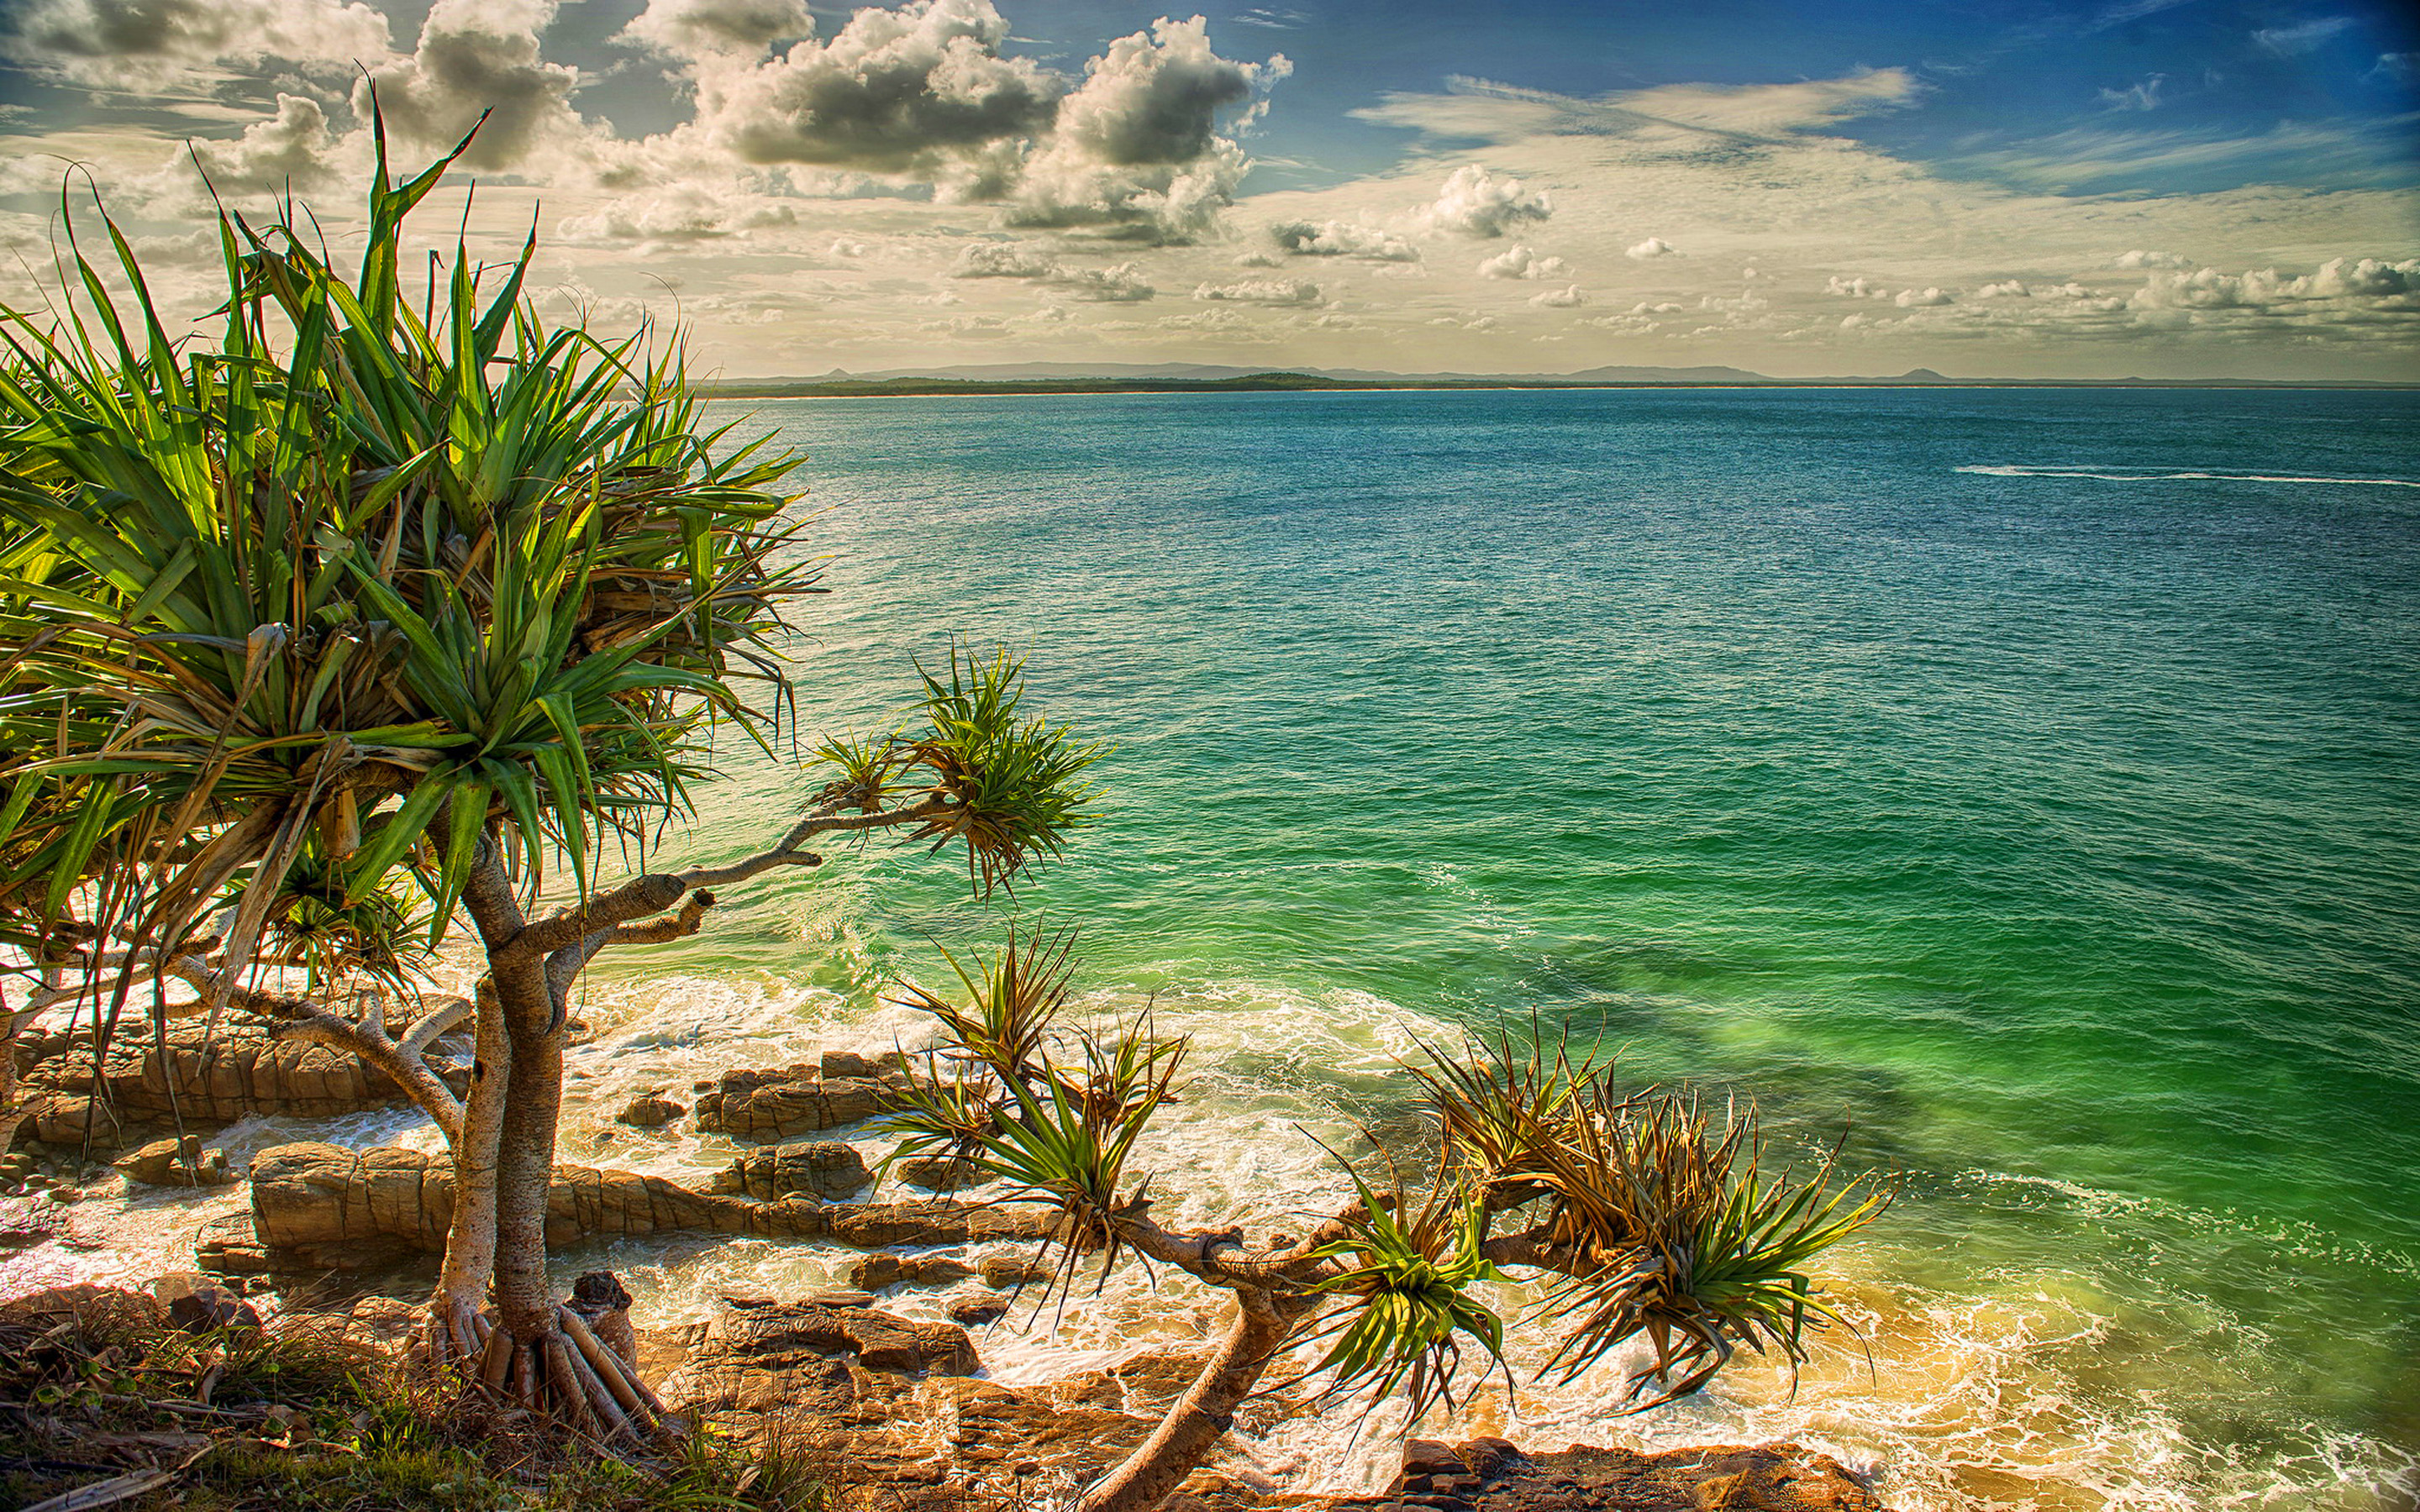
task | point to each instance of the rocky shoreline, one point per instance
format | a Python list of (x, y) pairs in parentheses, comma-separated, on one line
[(903, 1401)]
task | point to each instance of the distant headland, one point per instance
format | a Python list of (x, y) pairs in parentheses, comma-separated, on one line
[(1196, 377)]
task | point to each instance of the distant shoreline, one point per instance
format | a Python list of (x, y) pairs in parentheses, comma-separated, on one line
[(1304, 383)]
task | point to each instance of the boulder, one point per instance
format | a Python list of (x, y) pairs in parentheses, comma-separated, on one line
[(198, 1305), (823, 1168), (321, 1207), (652, 1111), (837, 1064), (386, 1320), (177, 1162), (765, 1106), (985, 1308), (880, 1270), (1005, 1273)]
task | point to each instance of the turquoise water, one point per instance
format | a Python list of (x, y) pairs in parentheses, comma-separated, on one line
[(1934, 758)]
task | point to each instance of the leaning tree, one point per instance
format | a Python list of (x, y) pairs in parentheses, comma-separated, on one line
[(370, 591), (1643, 1216)]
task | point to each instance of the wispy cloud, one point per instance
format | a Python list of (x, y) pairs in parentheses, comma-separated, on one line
[(2287, 41), (2141, 95), (2099, 159)]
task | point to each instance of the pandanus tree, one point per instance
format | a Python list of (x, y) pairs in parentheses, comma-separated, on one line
[(373, 593), (1643, 1215)]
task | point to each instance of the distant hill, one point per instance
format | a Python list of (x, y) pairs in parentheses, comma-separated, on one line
[(1206, 378)]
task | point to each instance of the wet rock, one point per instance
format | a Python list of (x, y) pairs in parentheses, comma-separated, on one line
[(24, 1224), (1492, 1475), (765, 1106), (838, 1064), (319, 1207), (996, 1427), (880, 1271), (1003, 1273), (975, 1311), (229, 1247), (902, 1225), (177, 1162), (935, 1173), (760, 1357), (823, 1168), (653, 1111)]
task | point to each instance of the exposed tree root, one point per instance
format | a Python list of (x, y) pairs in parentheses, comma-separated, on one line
[(567, 1374), (451, 1334)]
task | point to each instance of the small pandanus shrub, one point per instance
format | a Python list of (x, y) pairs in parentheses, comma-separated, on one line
[(1407, 1291), (1641, 1219)]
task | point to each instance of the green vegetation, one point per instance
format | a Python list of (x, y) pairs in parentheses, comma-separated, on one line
[(376, 595), (1642, 1218), (98, 1393)]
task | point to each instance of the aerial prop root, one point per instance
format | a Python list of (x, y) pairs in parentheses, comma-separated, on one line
[(568, 1375)]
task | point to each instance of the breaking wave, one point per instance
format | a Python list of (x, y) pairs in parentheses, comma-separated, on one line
[(2147, 475)]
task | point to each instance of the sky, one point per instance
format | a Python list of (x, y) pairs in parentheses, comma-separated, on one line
[(2056, 188)]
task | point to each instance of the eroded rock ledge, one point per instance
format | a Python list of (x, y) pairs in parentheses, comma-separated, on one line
[(210, 1080), (892, 1400), (321, 1207)]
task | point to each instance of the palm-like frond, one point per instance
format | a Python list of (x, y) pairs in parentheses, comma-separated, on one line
[(1013, 1000), (1665, 1228), (1720, 1255), (357, 572), (1011, 782), (1407, 1286)]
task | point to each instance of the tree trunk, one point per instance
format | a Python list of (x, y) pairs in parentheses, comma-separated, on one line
[(525, 1152), (1263, 1322), (454, 1330)]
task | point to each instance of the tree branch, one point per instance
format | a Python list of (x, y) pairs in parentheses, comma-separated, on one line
[(657, 891), (1219, 1258), (428, 1030)]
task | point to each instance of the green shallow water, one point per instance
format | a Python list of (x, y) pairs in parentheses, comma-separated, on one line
[(2064, 830)]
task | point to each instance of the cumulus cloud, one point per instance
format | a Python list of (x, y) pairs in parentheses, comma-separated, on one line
[(292, 150), (1561, 299), (1118, 283), (1477, 203), (1913, 298), (719, 28), (1003, 259), (1136, 150), (1121, 284), (2363, 281), (919, 90), (1855, 289), (137, 45), (1292, 291), (679, 212), (2133, 260), (476, 56), (1342, 238), (1652, 248), (1518, 261)]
